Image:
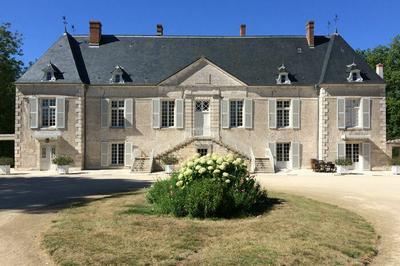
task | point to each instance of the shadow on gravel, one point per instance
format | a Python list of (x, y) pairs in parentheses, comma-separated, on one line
[(48, 194)]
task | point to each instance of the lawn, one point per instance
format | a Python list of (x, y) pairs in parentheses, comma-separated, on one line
[(123, 230)]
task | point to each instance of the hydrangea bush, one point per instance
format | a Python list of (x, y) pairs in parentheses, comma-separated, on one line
[(209, 186)]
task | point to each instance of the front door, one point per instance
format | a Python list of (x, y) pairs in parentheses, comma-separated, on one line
[(47, 153), (282, 155), (202, 118), (353, 153)]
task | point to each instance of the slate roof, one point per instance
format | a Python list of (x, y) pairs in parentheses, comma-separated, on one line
[(148, 60)]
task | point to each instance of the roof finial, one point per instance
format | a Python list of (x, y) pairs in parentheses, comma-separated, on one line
[(336, 19), (64, 18), (73, 28)]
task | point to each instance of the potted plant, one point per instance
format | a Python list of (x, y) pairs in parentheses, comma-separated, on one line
[(342, 166), (396, 166), (63, 162), (169, 161), (5, 164)]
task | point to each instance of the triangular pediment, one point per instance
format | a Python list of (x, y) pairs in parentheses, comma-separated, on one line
[(202, 72)]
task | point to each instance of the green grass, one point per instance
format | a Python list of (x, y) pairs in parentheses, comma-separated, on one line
[(125, 230)]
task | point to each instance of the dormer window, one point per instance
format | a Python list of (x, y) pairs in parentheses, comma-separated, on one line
[(51, 73), (283, 75), (117, 76), (354, 73)]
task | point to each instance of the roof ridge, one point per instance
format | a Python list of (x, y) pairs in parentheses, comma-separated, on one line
[(198, 36), (326, 59)]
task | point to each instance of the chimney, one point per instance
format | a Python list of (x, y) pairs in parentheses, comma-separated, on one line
[(243, 30), (160, 30), (95, 33), (310, 33), (379, 70)]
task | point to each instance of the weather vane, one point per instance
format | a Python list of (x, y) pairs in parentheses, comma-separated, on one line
[(336, 19), (64, 18)]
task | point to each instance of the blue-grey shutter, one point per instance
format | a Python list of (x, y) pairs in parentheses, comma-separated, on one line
[(272, 113), (128, 153), (341, 150), (296, 113), (366, 153), (104, 112), (366, 112), (128, 112), (33, 112), (341, 113), (60, 105), (225, 113), (248, 113), (179, 114), (104, 154), (295, 154), (272, 148), (156, 112)]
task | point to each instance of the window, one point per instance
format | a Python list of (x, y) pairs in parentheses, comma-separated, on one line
[(236, 113), (49, 76), (117, 154), (282, 113), (283, 75), (202, 151), (117, 78), (48, 112), (354, 76), (44, 153), (354, 73), (167, 113), (117, 113), (352, 112), (353, 151), (282, 152)]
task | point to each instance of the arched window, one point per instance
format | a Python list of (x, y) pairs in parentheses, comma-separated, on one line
[(117, 75), (283, 75)]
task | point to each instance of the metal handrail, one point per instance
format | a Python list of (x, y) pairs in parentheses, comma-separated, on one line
[(252, 161)]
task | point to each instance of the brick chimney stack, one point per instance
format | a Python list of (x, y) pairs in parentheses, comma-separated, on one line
[(243, 30), (95, 33), (379, 70), (310, 33), (160, 30)]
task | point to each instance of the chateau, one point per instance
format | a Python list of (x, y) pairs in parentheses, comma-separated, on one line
[(114, 101)]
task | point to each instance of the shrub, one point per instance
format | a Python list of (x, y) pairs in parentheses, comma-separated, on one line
[(198, 190), (6, 161), (63, 160), (396, 161), (343, 162), (169, 160)]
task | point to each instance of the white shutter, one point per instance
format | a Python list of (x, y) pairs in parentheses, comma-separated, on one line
[(248, 113), (104, 112), (272, 113), (156, 112), (33, 112), (128, 112), (366, 112), (341, 113), (128, 153), (104, 154), (60, 103), (225, 113), (272, 148), (366, 153), (179, 113), (296, 113), (341, 150), (295, 155)]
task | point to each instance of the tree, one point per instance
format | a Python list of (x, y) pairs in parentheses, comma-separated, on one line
[(389, 56), (10, 69)]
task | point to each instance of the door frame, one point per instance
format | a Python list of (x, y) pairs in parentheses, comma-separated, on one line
[(50, 150)]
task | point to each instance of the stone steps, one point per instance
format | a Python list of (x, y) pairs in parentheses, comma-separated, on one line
[(263, 165), (141, 165)]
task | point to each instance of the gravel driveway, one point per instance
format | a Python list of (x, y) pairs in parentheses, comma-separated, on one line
[(375, 196), (28, 203)]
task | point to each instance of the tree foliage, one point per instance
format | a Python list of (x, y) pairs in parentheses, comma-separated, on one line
[(389, 56), (11, 68)]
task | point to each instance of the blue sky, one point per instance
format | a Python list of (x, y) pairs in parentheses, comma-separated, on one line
[(363, 23)]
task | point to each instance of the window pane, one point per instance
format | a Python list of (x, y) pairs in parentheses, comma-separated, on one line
[(283, 113), (167, 113)]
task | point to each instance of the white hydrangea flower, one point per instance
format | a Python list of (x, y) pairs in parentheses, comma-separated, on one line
[(202, 170), (210, 162), (198, 167), (227, 181), (202, 160), (217, 171), (220, 160), (210, 168), (225, 174)]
